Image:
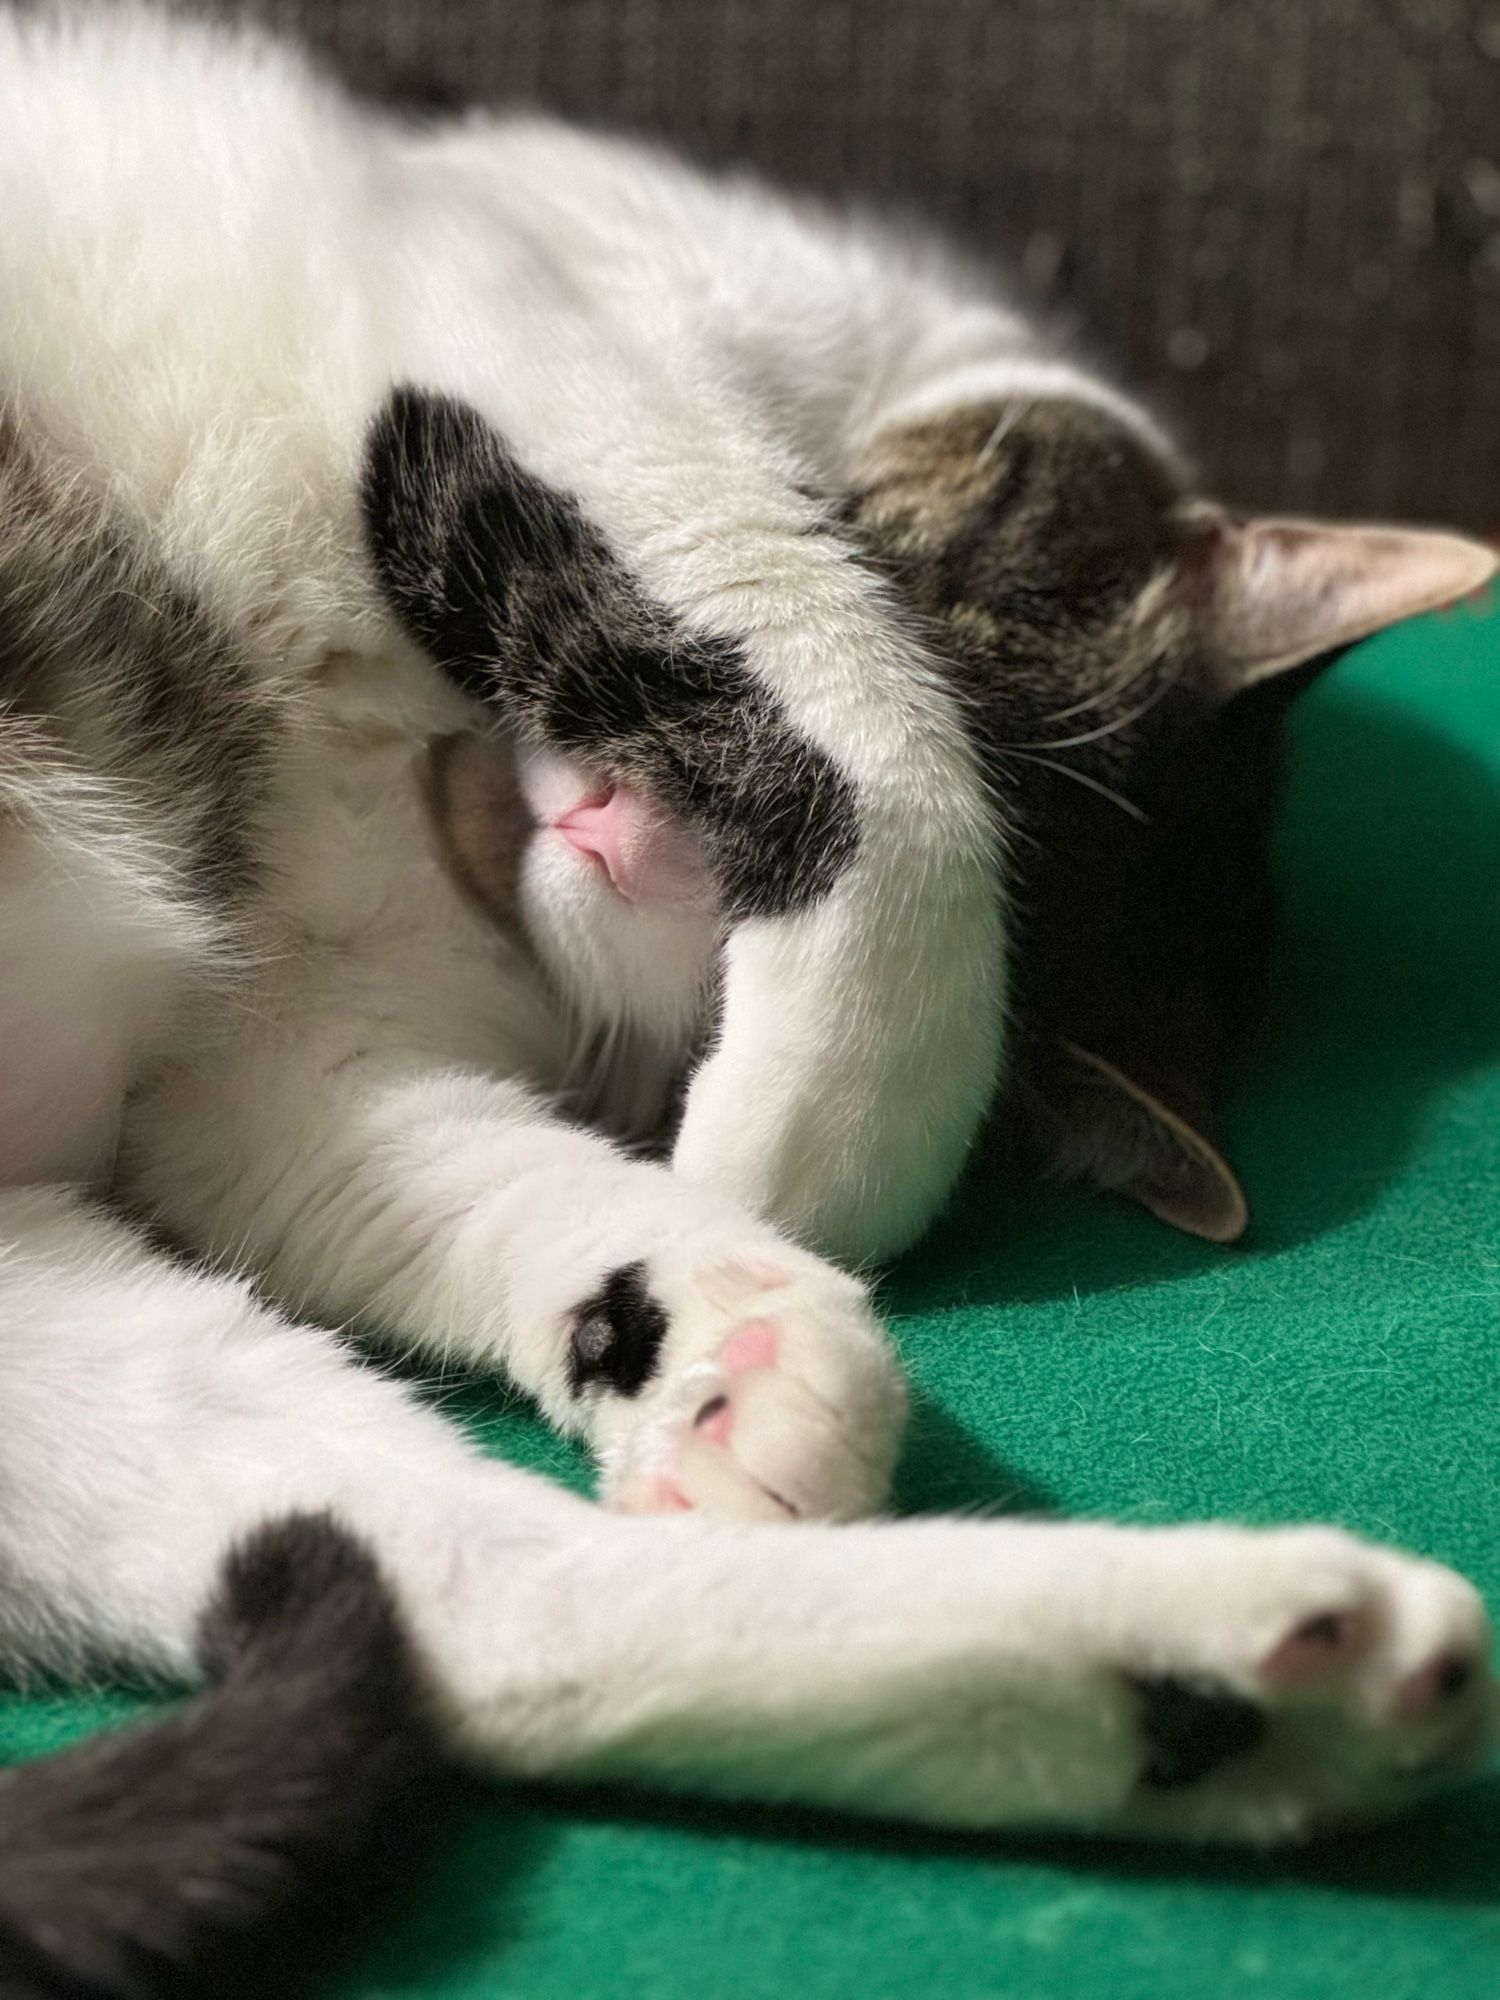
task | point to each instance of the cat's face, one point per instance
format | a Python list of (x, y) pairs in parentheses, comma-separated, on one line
[(1125, 658)]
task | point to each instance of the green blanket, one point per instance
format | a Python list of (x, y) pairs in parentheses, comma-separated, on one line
[(1074, 1355)]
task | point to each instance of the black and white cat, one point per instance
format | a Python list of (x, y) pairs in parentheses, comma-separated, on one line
[(505, 641)]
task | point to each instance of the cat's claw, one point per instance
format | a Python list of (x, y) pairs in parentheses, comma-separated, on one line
[(776, 1397)]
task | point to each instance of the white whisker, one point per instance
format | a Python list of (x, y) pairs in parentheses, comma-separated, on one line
[(1090, 783)]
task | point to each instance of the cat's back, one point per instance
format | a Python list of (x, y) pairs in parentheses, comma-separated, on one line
[(183, 264), (148, 164)]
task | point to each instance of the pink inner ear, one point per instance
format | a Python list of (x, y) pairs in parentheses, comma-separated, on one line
[(1281, 591)]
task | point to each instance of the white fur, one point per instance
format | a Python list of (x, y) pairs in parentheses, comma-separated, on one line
[(960, 1673), (213, 268), (102, 948), (311, 259)]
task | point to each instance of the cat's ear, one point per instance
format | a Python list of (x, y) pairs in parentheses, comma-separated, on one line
[(1271, 593), (1083, 1118)]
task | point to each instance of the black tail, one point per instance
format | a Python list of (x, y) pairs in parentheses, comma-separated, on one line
[(166, 1860)]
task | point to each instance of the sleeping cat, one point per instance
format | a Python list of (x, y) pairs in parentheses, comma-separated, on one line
[(560, 718)]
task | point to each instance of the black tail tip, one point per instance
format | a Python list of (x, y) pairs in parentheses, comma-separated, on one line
[(220, 1850), (290, 1581)]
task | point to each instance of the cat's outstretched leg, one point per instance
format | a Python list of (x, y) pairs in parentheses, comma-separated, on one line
[(1207, 1682), (1200, 1682)]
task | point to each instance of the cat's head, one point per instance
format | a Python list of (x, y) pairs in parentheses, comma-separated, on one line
[(1127, 653), (1124, 653)]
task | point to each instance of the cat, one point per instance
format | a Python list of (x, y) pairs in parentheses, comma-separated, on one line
[(560, 716)]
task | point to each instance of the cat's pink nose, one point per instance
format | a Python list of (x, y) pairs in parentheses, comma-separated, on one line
[(601, 827), (647, 856)]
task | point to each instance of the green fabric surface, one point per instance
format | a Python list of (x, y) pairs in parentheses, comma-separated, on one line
[(1069, 1353)]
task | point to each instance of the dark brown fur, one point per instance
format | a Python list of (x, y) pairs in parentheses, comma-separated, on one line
[(1050, 553), (521, 602)]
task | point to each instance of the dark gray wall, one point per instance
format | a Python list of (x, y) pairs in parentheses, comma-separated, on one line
[(1281, 217)]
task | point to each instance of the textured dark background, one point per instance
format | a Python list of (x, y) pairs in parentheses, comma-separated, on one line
[(1279, 217)]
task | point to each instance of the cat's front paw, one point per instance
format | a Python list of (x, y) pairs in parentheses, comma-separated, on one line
[(1302, 1678), (748, 1381)]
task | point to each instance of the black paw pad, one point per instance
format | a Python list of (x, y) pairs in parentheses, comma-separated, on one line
[(617, 1335), (1189, 1731)]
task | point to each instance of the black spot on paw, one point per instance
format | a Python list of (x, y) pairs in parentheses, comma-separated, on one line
[(1189, 1731), (617, 1335)]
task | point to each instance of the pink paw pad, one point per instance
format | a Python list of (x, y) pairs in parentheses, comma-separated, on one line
[(755, 1345), (1319, 1648)]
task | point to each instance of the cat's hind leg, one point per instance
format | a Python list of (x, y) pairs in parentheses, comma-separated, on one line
[(1202, 1682), (155, 1415)]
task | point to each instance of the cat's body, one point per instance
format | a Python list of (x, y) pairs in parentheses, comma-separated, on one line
[(330, 442)]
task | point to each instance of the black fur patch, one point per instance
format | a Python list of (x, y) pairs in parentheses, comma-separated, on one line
[(207, 1854), (617, 1335), (502, 580), (1190, 1731)]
